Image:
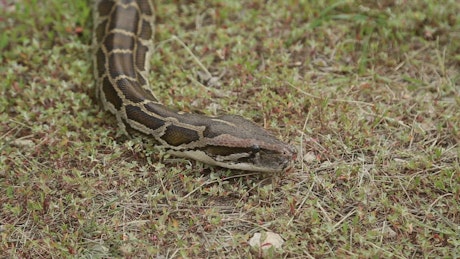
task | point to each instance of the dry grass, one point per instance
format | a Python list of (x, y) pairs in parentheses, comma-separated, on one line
[(369, 93)]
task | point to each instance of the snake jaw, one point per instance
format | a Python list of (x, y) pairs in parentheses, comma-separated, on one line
[(265, 162)]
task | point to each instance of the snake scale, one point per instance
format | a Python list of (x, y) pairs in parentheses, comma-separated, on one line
[(123, 45)]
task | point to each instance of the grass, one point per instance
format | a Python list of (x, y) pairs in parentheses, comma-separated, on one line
[(368, 92)]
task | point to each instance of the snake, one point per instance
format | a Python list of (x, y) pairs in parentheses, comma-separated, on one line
[(123, 45)]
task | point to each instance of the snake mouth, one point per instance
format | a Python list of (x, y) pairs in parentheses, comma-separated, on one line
[(262, 161)]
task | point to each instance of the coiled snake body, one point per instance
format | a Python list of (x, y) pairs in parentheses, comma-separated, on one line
[(123, 44)]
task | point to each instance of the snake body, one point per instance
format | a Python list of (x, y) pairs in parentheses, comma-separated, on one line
[(123, 44)]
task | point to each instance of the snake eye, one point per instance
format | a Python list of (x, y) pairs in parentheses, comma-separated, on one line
[(255, 148)]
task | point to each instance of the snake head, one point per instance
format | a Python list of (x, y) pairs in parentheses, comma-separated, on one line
[(251, 154), (244, 145), (233, 142)]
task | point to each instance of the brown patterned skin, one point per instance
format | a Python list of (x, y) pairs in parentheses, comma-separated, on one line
[(123, 44)]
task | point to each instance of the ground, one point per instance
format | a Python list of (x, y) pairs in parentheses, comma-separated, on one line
[(367, 92)]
